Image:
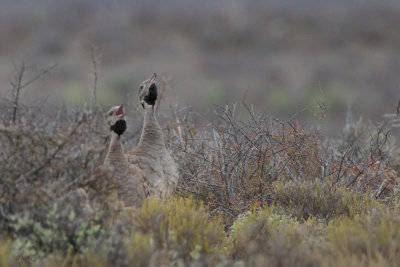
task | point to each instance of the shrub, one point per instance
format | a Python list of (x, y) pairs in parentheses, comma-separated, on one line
[(177, 232), (5, 252), (60, 230), (363, 159), (233, 164), (140, 249), (179, 227), (320, 199), (58, 206), (265, 238), (371, 237), (85, 258)]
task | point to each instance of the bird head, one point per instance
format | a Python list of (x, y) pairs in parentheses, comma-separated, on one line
[(148, 91), (116, 119)]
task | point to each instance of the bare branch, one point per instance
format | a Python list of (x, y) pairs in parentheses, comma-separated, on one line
[(55, 152), (18, 85), (40, 75), (94, 72), (17, 89), (398, 108)]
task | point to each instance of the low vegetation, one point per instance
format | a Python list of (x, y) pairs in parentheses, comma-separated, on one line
[(252, 192)]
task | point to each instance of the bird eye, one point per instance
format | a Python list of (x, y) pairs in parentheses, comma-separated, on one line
[(110, 113), (141, 87)]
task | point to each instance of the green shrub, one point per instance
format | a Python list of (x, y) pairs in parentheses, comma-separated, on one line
[(139, 249), (86, 258), (305, 199), (5, 251), (176, 229), (372, 237), (60, 230), (267, 239)]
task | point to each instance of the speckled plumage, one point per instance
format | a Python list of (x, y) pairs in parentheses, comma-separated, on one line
[(151, 156), (153, 159), (128, 179)]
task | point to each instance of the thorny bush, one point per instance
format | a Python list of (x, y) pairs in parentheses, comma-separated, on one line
[(234, 164), (56, 201), (54, 194)]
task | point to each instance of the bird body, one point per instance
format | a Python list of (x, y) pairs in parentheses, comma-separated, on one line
[(153, 159), (129, 180), (148, 169), (151, 156)]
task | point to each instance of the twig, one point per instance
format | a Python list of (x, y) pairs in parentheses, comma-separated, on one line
[(94, 72), (398, 108), (17, 89), (18, 85), (381, 188), (39, 76), (58, 149)]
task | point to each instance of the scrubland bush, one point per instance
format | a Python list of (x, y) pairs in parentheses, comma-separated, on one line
[(256, 192), (5, 251), (236, 164), (53, 194), (58, 231), (180, 230), (322, 200), (268, 238), (372, 238)]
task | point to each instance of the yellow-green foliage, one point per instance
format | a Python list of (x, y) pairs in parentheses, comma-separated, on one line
[(60, 230), (139, 248), (180, 232), (267, 239), (5, 251), (321, 200), (179, 225), (372, 237), (85, 259)]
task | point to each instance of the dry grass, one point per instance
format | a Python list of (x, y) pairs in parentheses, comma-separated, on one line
[(255, 192)]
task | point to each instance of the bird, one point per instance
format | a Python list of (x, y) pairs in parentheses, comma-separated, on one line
[(151, 155), (128, 178)]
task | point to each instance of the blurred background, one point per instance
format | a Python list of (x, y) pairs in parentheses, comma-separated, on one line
[(284, 56)]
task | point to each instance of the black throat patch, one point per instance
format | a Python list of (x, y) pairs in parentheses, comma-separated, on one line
[(119, 127), (151, 97)]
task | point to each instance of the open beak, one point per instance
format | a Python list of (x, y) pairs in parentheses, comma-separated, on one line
[(120, 111), (153, 78)]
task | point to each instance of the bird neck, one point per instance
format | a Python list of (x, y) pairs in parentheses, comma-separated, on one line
[(152, 137), (115, 154)]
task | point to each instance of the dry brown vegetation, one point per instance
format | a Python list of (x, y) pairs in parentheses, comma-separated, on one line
[(252, 192)]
